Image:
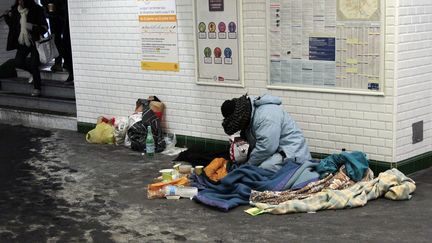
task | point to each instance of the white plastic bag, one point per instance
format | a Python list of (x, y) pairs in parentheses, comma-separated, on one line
[(239, 149), (132, 119), (47, 49), (171, 149), (120, 129), (170, 140)]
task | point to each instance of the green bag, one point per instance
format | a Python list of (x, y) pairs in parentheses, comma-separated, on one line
[(102, 134)]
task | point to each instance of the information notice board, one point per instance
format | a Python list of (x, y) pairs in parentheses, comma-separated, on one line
[(218, 42), (159, 43), (332, 44)]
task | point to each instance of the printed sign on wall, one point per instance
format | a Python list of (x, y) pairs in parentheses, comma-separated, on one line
[(332, 44), (159, 44), (218, 42)]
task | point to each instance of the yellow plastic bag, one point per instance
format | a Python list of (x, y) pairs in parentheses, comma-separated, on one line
[(103, 133)]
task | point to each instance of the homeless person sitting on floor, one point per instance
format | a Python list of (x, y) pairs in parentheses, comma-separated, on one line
[(272, 134)]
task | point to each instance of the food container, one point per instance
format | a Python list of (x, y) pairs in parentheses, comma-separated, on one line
[(198, 169), (166, 174), (185, 169)]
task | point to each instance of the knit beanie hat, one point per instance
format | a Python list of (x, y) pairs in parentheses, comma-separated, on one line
[(236, 113)]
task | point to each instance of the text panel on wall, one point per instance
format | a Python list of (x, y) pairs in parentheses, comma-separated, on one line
[(326, 44)]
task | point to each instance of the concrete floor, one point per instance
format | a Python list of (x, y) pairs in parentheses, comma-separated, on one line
[(56, 187)]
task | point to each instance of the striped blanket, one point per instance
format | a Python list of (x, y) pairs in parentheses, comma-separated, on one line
[(392, 184)]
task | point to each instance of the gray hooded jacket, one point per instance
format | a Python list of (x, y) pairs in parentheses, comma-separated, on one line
[(272, 131)]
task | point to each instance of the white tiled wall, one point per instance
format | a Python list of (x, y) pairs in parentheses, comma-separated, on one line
[(4, 55), (106, 49), (414, 72), (108, 80)]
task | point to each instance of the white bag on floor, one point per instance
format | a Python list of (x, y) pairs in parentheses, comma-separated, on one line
[(47, 49), (132, 119), (120, 129)]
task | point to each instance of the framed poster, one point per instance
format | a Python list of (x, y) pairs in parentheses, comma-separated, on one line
[(326, 45), (218, 42), (159, 43)]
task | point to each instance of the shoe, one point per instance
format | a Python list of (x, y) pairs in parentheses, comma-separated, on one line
[(70, 78), (30, 80), (36, 92), (57, 68)]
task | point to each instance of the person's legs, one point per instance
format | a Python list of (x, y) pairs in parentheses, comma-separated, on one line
[(67, 51), (29, 64), (21, 60), (56, 26), (34, 67)]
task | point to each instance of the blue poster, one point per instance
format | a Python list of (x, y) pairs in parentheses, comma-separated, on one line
[(322, 48)]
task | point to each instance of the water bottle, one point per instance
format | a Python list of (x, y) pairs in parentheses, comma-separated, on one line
[(182, 191), (150, 144)]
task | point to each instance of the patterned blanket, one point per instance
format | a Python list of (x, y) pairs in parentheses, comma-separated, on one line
[(391, 184), (337, 181)]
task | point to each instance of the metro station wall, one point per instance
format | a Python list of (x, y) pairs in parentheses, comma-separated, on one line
[(414, 77), (108, 80)]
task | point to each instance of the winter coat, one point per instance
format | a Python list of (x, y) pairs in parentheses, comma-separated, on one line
[(36, 17), (273, 135)]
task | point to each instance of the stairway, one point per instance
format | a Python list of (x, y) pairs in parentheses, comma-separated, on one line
[(55, 108)]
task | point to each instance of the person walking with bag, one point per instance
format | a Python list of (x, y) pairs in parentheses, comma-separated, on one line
[(59, 26), (27, 23), (55, 12)]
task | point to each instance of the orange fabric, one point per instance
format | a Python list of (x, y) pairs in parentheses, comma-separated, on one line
[(216, 170), (155, 190), (183, 181)]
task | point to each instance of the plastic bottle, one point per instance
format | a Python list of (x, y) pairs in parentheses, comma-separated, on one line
[(182, 191), (150, 144)]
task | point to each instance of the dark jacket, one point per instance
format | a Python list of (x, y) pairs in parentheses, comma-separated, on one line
[(36, 17)]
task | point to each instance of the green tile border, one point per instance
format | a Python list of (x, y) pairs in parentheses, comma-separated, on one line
[(207, 145), (407, 166), (419, 162), (84, 127)]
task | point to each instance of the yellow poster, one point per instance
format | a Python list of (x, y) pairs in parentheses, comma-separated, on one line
[(159, 43)]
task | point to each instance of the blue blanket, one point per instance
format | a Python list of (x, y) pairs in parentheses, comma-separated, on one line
[(235, 188), (356, 164)]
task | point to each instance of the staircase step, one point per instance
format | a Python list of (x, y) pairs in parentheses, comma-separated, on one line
[(46, 74), (50, 88), (37, 118), (50, 104)]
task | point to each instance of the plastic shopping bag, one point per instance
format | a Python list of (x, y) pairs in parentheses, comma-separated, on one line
[(102, 134), (239, 149), (120, 130), (47, 49)]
